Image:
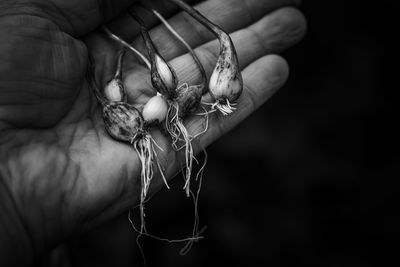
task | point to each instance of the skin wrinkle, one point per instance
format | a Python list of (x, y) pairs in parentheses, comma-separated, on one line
[(260, 41), (14, 110), (14, 231), (73, 189), (11, 141), (46, 37), (14, 202), (72, 149), (33, 93), (93, 104), (293, 31), (26, 20), (54, 69), (5, 136), (68, 192), (100, 148), (46, 81), (246, 7), (50, 82), (75, 48), (37, 8), (202, 33), (98, 137), (51, 195), (94, 219), (83, 131), (100, 9), (67, 19), (78, 112), (17, 104), (209, 56), (251, 96), (63, 194), (3, 126), (123, 189), (59, 197)]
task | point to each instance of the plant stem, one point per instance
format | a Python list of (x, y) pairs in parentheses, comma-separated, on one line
[(180, 38), (163, 76), (120, 61), (128, 46), (151, 48), (90, 76)]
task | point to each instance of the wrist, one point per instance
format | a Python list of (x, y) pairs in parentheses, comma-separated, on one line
[(15, 246)]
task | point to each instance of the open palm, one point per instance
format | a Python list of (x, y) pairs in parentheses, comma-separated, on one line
[(60, 171)]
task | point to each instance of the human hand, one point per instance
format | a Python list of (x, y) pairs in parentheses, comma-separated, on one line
[(60, 171)]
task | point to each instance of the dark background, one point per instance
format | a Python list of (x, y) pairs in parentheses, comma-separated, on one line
[(311, 178)]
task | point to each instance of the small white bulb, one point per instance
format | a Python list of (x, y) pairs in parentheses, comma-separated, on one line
[(225, 84), (165, 73), (114, 91), (155, 109)]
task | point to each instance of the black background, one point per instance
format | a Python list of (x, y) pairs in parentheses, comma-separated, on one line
[(311, 178)]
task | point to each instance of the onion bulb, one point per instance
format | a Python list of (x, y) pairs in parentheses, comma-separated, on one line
[(155, 110)]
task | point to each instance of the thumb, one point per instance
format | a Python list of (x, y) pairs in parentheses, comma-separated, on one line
[(75, 17)]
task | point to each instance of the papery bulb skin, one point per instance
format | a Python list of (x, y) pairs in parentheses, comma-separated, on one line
[(188, 99), (122, 121), (226, 82)]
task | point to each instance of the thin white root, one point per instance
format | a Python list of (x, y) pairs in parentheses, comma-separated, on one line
[(196, 235), (172, 116), (196, 232), (178, 132), (145, 147), (206, 122), (189, 240), (225, 109)]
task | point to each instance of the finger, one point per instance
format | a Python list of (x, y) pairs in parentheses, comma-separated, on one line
[(273, 33), (229, 15)]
